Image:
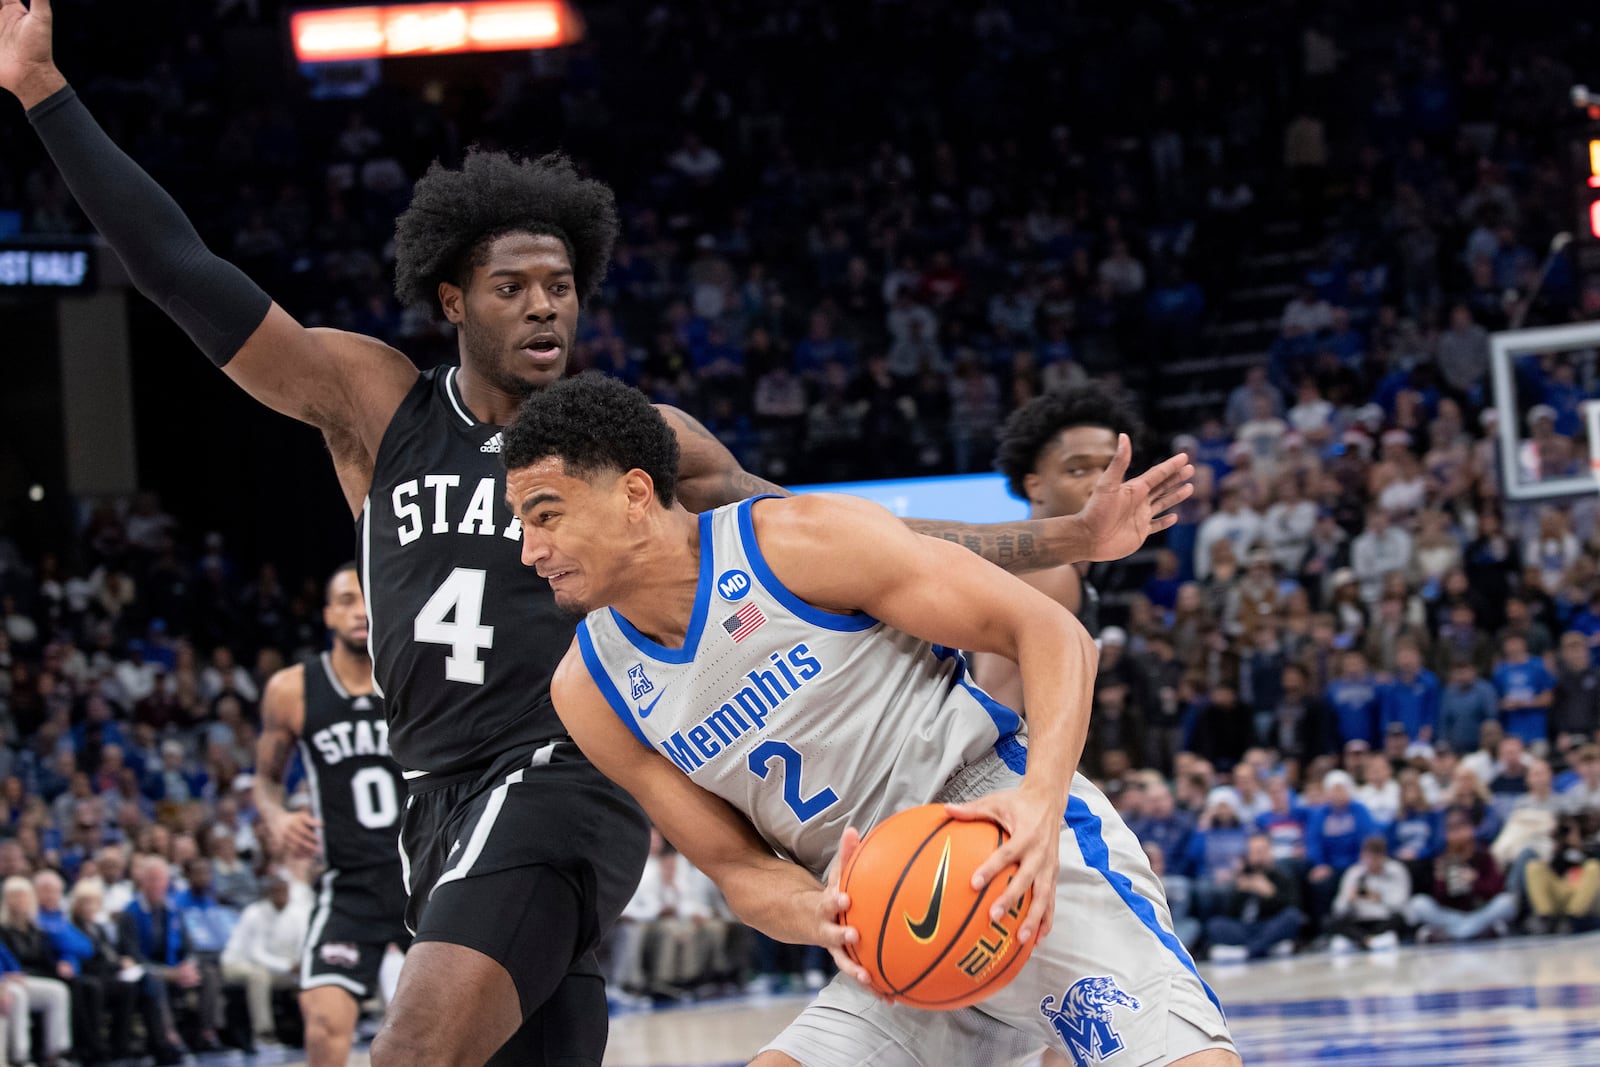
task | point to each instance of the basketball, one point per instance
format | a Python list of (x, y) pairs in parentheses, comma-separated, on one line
[(926, 935)]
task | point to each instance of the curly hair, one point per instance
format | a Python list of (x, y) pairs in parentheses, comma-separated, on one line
[(1031, 428), (455, 214), (594, 423)]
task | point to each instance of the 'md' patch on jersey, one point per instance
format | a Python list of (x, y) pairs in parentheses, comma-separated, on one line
[(744, 622), (733, 584)]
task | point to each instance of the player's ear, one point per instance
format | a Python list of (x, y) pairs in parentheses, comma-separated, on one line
[(452, 299), (1030, 487), (641, 490)]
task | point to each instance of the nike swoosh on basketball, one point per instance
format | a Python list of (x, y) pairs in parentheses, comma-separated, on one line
[(644, 710), (923, 931)]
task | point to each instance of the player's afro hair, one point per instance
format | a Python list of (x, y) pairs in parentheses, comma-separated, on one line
[(1031, 428), (454, 214), (594, 423)]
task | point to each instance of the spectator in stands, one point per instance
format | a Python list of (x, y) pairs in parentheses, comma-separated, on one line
[(1411, 698), (208, 922), (1378, 551), (233, 882), (45, 974), (151, 932), (1262, 916), (1178, 890), (1369, 910), (1285, 824), (1334, 832), (263, 952), (1217, 851), (1582, 797), (1540, 794), (1483, 759), (1575, 699), (1353, 696), (1233, 521), (1467, 898), (1465, 706), (1564, 889), (120, 979), (1166, 826), (1511, 768), (73, 948), (1379, 793)]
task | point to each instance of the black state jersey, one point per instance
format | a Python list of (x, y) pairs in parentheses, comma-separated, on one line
[(356, 787), (464, 638)]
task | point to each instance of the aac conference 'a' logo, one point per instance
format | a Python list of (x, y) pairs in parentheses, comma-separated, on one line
[(733, 585)]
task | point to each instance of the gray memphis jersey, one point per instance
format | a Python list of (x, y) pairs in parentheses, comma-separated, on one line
[(804, 720)]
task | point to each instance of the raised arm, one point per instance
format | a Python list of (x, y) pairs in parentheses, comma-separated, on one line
[(1119, 517), (344, 384), (774, 895), (708, 475), (283, 716), (843, 554)]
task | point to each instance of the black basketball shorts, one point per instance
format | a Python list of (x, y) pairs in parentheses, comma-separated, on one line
[(357, 916), (499, 860)]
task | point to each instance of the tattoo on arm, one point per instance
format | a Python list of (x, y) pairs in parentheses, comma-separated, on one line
[(1001, 544), (741, 485)]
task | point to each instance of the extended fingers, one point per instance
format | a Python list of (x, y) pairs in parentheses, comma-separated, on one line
[(1117, 469), (1041, 911), (1171, 495), (1174, 469)]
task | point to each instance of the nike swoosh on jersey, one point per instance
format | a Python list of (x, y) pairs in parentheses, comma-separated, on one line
[(923, 931), (644, 710)]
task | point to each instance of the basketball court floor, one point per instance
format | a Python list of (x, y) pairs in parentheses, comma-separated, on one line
[(1532, 1001)]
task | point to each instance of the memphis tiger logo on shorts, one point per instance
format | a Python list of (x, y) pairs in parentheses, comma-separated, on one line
[(340, 954), (1084, 1020)]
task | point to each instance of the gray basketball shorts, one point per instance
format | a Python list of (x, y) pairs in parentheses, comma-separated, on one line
[(1111, 983)]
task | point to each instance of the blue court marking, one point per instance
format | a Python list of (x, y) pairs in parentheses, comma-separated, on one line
[(1446, 1002)]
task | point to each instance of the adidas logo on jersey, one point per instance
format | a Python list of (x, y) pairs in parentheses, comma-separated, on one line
[(492, 444)]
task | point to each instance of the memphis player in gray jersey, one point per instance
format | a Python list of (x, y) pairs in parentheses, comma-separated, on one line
[(770, 676)]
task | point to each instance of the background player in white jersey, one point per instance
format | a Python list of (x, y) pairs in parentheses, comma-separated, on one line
[(504, 817), (328, 709), (827, 700)]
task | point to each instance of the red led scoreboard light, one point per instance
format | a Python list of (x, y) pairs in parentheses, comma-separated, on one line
[(348, 33)]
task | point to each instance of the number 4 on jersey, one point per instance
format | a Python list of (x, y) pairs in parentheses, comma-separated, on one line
[(461, 596)]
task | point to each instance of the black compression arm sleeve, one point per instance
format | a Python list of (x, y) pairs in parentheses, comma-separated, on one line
[(215, 303)]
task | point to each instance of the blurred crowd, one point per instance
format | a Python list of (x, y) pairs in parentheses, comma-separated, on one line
[(1350, 700)]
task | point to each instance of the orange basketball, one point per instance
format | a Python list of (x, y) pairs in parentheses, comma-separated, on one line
[(926, 936)]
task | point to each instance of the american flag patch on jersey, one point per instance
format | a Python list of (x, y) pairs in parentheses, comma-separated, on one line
[(744, 622)]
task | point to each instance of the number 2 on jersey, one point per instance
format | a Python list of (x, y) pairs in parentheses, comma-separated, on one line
[(460, 595), (804, 808)]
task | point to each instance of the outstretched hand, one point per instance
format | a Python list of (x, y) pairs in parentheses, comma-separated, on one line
[(1120, 515), (26, 66)]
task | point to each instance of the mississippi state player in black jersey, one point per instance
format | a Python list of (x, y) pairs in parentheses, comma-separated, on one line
[(520, 854), (328, 709), (1052, 451)]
